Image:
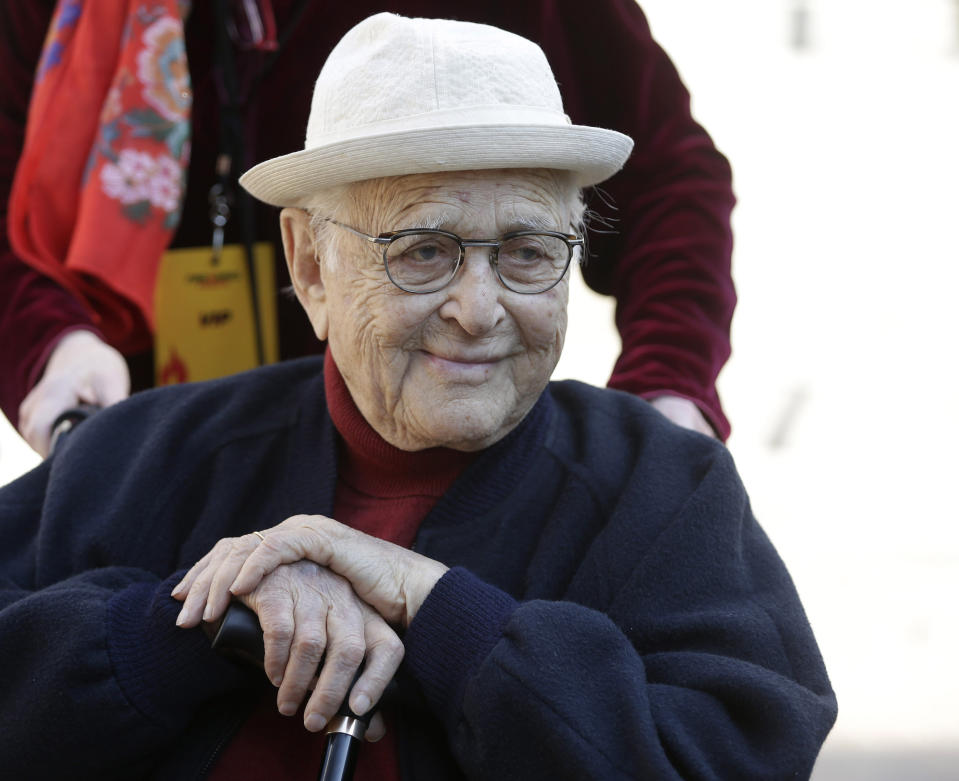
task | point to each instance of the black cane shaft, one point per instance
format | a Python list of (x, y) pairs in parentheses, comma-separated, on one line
[(339, 758)]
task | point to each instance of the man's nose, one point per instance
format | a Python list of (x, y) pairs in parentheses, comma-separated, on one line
[(473, 295)]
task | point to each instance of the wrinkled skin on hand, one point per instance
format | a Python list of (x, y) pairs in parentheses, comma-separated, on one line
[(308, 614)]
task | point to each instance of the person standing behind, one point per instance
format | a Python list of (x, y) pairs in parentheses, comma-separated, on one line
[(665, 255)]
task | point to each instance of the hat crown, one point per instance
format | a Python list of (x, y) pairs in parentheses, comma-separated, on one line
[(390, 68), (402, 96)]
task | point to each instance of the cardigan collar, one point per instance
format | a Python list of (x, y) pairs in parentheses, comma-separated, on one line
[(315, 459)]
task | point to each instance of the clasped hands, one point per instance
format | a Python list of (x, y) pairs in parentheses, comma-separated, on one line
[(318, 587)]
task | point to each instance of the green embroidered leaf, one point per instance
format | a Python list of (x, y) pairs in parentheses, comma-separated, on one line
[(171, 220), (109, 133), (145, 122), (144, 116), (178, 136), (138, 212)]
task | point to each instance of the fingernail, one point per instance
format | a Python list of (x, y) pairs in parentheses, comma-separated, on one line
[(176, 589), (277, 681), (315, 722), (287, 708), (361, 704), (181, 619), (208, 613)]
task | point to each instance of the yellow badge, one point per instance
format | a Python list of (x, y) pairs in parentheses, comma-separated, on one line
[(205, 323)]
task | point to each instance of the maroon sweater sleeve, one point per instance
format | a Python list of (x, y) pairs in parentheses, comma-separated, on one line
[(667, 261), (34, 310)]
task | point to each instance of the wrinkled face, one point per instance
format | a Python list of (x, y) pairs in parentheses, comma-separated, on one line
[(459, 367)]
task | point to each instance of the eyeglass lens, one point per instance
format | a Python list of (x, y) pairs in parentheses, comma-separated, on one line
[(527, 263)]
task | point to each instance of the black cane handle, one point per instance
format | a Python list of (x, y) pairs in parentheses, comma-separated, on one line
[(67, 420), (239, 635)]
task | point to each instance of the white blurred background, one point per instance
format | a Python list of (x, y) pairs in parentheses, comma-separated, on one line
[(841, 120), (842, 388)]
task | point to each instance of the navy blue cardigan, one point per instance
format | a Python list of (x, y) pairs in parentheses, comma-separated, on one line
[(613, 610)]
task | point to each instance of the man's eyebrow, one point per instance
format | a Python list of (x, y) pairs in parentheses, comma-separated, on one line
[(430, 221), (437, 221), (530, 220), (532, 223)]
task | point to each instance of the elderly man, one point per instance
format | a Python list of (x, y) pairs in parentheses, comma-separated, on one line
[(562, 583)]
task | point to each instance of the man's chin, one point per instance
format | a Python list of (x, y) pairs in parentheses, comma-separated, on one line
[(471, 426)]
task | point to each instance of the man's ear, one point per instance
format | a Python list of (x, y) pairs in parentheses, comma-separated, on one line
[(305, 268)]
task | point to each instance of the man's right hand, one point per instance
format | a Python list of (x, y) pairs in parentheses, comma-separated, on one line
[(309, 614), (82, 369)]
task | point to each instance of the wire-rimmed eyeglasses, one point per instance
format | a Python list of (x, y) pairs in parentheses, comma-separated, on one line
[(421, 260)]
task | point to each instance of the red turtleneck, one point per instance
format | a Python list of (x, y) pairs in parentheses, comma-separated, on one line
[(380, 490)]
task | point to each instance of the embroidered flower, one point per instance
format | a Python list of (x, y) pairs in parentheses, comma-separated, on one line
[(163, 71), (164, 184), (138, 177)]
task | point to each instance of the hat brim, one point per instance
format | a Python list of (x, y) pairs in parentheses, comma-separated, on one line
[(591, 154)]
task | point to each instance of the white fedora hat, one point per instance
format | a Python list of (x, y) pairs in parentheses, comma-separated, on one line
[(403, 96)]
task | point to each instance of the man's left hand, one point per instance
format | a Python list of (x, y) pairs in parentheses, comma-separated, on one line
[(394, 581)]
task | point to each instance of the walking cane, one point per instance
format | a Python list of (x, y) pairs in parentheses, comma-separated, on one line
[(239, 635)]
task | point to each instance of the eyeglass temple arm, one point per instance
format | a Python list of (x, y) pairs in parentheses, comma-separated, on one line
[(370, 239)]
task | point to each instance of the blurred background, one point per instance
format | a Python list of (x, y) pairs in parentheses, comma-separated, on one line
[(841, 121)]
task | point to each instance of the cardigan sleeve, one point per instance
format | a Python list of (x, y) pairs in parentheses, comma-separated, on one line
[(701, 664), (663, 248), (97, 677)]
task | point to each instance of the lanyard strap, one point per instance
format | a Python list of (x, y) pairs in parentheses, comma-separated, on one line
[(224, 192)]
